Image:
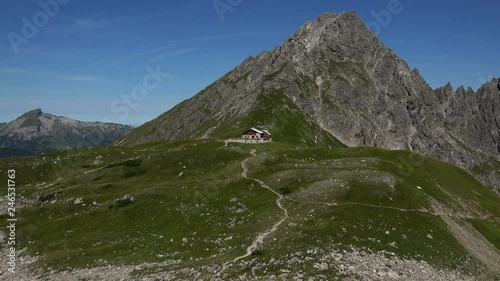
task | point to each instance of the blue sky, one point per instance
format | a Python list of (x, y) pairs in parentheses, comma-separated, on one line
[(87, 57)]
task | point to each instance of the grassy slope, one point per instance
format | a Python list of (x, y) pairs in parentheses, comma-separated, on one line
[(276, 112), (184, 207), (273, 110)]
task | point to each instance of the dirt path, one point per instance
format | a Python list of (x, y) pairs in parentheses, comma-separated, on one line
[(471, 239), (437, 213), (260, 238), (81, 174), (467, 235)]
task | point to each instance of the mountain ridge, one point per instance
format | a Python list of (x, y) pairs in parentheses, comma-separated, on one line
[(35, 132), (341, 76)]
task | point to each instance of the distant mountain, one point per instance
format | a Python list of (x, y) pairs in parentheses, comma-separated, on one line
[(334, 78), (36, 132)]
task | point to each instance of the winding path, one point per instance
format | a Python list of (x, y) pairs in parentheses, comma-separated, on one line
[(260, 238)]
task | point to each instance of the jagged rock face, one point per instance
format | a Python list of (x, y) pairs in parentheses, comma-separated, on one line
[(340, 75), (36, 132)]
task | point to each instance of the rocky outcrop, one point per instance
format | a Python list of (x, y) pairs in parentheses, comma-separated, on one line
[(36, 132), (342, 77)]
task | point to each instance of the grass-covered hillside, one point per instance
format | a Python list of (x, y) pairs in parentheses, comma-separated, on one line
[(206, 210), (272, 110)]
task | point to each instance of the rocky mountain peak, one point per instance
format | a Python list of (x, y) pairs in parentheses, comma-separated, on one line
[(35, 113), (336, 74), (448, 88), (344, 35), (493, 86), (32, 113)]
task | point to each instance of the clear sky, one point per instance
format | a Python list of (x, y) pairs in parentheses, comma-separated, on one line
[(84, 59)]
